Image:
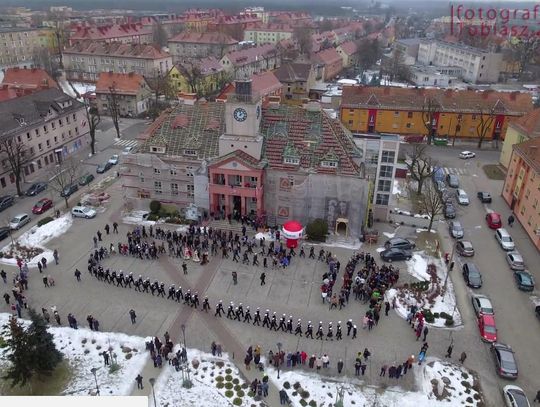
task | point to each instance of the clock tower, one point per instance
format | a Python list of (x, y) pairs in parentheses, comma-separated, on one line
[(242, 119)]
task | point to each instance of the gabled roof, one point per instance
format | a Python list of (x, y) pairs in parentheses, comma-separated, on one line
[(530, 152), (123, 83), (241, 156), (386, 97), (262, 84), (207, 66), (27, 111), (349, 47), (107, 32), (293, 72), (117, 49), (271, 27), (204, 38), (312, 136), (528, 124), (250, 55), (36, 78), (327, 56)]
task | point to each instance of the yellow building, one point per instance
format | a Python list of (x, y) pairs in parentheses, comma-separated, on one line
[(47, 39), (207, 76), (523, 129), (406, 111)]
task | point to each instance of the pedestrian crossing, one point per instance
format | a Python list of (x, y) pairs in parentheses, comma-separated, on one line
[(456, 171), (126, 143)]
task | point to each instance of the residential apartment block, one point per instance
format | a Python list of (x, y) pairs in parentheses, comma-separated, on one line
[(134, 33), (52, 126), (268, 33), (454, 113), (331, 60), (200, 45), (429, 75), (211, 76), (525, 128), (521, 189), (245, 62), (479, 66), (133, 94), (297, 80), (17, 45), (85, 60)]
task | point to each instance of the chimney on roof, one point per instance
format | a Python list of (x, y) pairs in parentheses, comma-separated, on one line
[(187, 98)]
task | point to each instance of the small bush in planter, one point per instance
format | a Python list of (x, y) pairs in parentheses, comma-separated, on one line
[(444, 315), (317, 230), (312, 403), (237, 387), (303, 402), (237, 401), (228, 371), (449, 322), (229, 385), (228, 377), (235, 380), (296, 385), (286, 385), (240, 393), (44, 221), (229, 393), (220, 385), (436, 315), (155, 206), (304, 394)]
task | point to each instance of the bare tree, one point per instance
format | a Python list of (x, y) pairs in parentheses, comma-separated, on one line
[(429, 109), (159, 35), (114, 108), (369, 52), (486, 119), (431, 203), (395, 67), (303, 39), (14, 150), (93, 118), (524, 51), (192, 74), (42, 58), (161, 86), (420, 165), (63, 175)]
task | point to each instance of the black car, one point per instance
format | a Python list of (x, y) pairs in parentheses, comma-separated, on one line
[(505, 362), (36, 188), (70, 189), (449, 211), (395, 254), (524, 280), (4, 232), (537, 310), (399, 243), (6, 201), (472, 275), (104, 167), (485, 197)]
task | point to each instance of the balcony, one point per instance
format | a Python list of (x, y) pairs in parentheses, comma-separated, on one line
[(234, 190)]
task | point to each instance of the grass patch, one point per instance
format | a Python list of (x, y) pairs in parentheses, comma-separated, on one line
[(494, 171), (41, 385)]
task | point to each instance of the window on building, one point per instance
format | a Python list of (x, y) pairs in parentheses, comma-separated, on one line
[(522, 210), (157, 171), (409, 115), (329, 164), (48, 142), (37, 132), (45, 129), (291, 160), (386, 171), (396, 114), (53, 125), (157, 187), (382, 199), (174, 189), (190, 189), (40, 147), (190, 152), (159, 150), (384, 185), (388, 156), (173, 171), (28, 136)]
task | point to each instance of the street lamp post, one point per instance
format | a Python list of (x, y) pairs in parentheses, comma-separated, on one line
[(183, 328), (94, 370), (152, 383), (279, 345)]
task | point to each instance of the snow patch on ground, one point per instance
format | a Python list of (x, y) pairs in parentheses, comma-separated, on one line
[(266, 235), (38, 236), (84, 356), (420, 230), (417, 267), (389, 235), (345, 245), (456, 392), (396, 189), (138, 218)]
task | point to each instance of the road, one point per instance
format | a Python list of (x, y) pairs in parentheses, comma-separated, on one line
[(514, 310)]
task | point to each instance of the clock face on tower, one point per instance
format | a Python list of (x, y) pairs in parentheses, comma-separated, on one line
[(240, 114)]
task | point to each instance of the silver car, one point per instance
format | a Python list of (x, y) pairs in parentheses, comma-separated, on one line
[(455, 228), (515, 260), (482, 305)]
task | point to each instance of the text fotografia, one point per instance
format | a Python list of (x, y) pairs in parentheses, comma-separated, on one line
[(484, 21)]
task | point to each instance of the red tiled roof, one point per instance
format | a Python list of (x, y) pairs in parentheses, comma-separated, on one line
[(118, 49), (110, 32), (265, 83), (7, 93), (530, 151), (204, 38), (34, 77), (327, 56), (349, 47), (124, 83), (249, 55), (514, 103), (244, 157), (272, 27), (528, 124)]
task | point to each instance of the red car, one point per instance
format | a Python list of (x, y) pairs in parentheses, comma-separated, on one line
[(493, 220), (488, 330), (41, 206)]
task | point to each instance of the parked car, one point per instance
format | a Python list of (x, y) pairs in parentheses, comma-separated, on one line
[(504, 239), (399, 243), (524, 280), (86, 179), (36, 188), (395, 254), (462, 197), (465, 248), (6, 201), (537, 311), (4, 232), (505, 362), (114, 159), (514, 396), (455, 228), (438, 174), (472, 275), (482, 305), (83, 212), (104, 167), (19, 221), (441, 186), (485, 197), (493, 220), (466, 155), (487, 328), (449, 211), (41, 206), (515, 260), (69, 190), (128, 150), (452, 180)]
